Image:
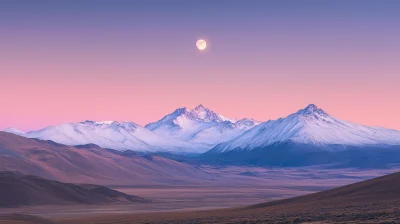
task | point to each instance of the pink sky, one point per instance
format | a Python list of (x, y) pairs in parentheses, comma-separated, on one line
[(48, 91), (69, 61)]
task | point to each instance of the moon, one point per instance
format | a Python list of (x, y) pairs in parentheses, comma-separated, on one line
[(201, 44)]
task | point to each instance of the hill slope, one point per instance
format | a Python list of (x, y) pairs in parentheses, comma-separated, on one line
[(382, 189), (90, 164), (23, 190)]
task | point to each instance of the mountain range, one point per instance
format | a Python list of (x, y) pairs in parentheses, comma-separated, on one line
[(308, 131), (183, 131)]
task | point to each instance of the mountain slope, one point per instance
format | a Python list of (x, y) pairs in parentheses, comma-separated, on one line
[(24, 190), (90, 164), (200, 125)]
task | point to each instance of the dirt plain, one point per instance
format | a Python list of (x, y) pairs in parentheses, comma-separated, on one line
[(373, 201)]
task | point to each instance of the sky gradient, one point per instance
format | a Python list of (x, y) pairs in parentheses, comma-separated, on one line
[(68, 61)]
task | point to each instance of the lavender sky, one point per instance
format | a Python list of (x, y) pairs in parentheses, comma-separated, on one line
[(65, 61)]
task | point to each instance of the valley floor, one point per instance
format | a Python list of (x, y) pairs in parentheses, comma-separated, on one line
[(233, 187)]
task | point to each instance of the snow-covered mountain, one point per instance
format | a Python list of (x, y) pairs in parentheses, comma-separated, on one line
[(111, 134), (184, 131), (303, 137), (311, 126), (200, 125)]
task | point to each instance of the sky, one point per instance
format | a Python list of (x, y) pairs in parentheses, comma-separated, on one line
[(69, 61)]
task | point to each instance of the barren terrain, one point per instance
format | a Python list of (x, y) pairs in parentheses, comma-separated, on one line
[(372, 201), (246, 186)]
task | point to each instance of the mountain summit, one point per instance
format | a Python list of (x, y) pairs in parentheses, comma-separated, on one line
[(311, 109), (180, 115), (206, 115)]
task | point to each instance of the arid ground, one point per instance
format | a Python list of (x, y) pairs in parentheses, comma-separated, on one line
[(202, 203)]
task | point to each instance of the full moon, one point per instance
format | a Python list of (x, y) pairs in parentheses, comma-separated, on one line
[(201, 44)]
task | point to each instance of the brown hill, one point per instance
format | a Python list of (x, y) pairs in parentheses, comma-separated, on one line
[(25, 190), (381, 189), (90, 164), (23, 219), (372, 201)]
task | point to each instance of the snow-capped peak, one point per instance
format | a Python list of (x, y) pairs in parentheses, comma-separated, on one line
[(180, 111), (202, 113), (182, 116), (247, 122), (311, 109), (200, 125), (200, 107)]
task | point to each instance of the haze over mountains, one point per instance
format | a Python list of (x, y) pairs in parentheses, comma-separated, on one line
[(309, 132)]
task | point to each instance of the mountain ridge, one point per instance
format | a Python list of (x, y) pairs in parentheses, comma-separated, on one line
[(188, 131)]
